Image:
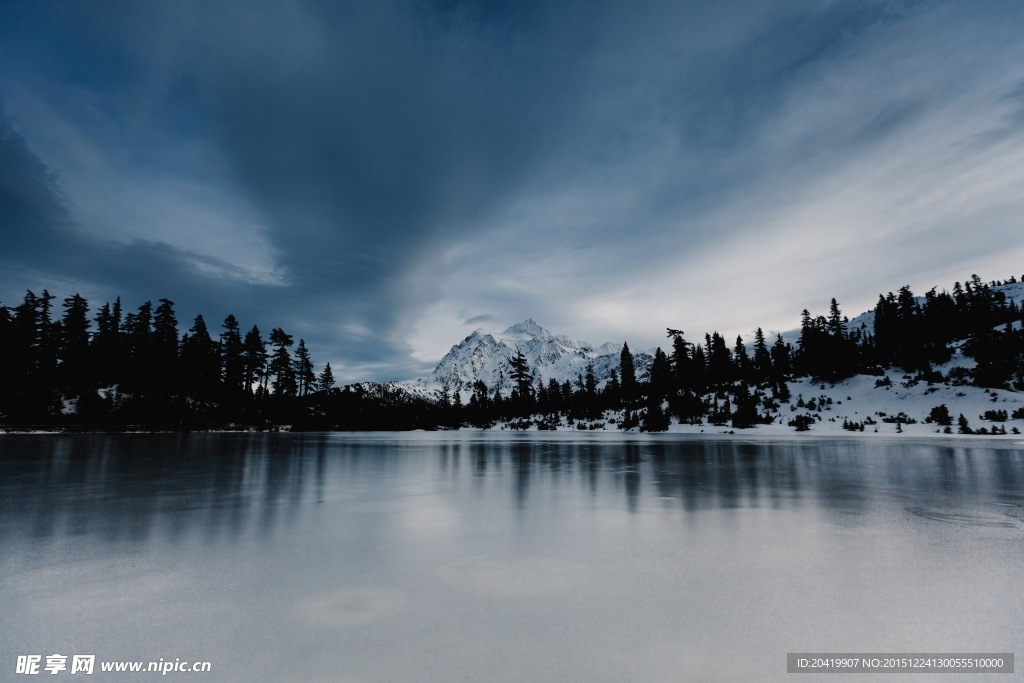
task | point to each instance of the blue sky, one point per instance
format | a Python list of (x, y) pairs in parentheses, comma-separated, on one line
[(382, 178)]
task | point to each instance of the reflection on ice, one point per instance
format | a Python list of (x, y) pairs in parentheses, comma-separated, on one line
[(497, 556)]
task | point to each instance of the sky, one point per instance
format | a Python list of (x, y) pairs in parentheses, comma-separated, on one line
[(382, 178)]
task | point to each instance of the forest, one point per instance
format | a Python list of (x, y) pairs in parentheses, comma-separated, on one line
[(73, 369)]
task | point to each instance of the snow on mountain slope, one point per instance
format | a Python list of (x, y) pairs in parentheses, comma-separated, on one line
[(485, 356)]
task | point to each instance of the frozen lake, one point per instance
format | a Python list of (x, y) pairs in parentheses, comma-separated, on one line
[(506, 557)]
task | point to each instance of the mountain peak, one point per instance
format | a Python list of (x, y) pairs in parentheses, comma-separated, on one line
[(529, 327), (485, 357)]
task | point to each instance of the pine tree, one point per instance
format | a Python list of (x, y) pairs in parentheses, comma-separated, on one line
[(699, 370), (655, 419), (552, 396), (721, 369), (661, 377), (74, 345), (26, 380), (745, 415), (612, 394), (520, 374), (164, 352), (457, 408), (281, 364), (48, 334), (326, 380), (962, 426), (627, 375), (232, 362), (590, 392), (138, 334), (762, 358), (200, 361), (680, 361), (106, 345), (303, 367), (836, 326), (254, 361), (744, 366)]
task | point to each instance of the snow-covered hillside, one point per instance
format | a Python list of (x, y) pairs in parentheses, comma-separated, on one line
[(485, 356), (894, 404)]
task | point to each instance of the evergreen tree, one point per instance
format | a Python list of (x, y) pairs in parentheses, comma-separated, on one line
[(303, 367), (721, 369), (232, 361), (590, 392), (762, 358), (826, 351), (553, 392), (281, 364), (746, 414), (47, 344), (457, 409), (164, 352), (699, 370), (106, 345), (48, 335), (612, 394), (30, 381), (962, 425), (627, 375), (480, 405), (655, 419), (836, 324), (998, 357), (744, 366), (74, 345), (326, 380), (661, 377), (138, 333), (200, 361), (523, 378), (680, 361), (254, 361)]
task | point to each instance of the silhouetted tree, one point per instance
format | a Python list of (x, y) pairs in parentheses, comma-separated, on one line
[(303, 367), (519, 371), (232, 361), (163, 352), (254, 361), (326, 380), (281, 364), (762, 358), (200, 360), (75, 368)]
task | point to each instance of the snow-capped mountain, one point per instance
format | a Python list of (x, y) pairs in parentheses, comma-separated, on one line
[(485, 356)]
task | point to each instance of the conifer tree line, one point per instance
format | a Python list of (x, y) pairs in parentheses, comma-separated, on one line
[(117, 367), (739, 384), (136, 367)]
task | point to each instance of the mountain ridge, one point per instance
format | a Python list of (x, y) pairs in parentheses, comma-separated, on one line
[(484, 355)]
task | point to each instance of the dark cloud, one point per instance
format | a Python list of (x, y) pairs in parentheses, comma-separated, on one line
[(31, 203), (357, 152), (44, 247)]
